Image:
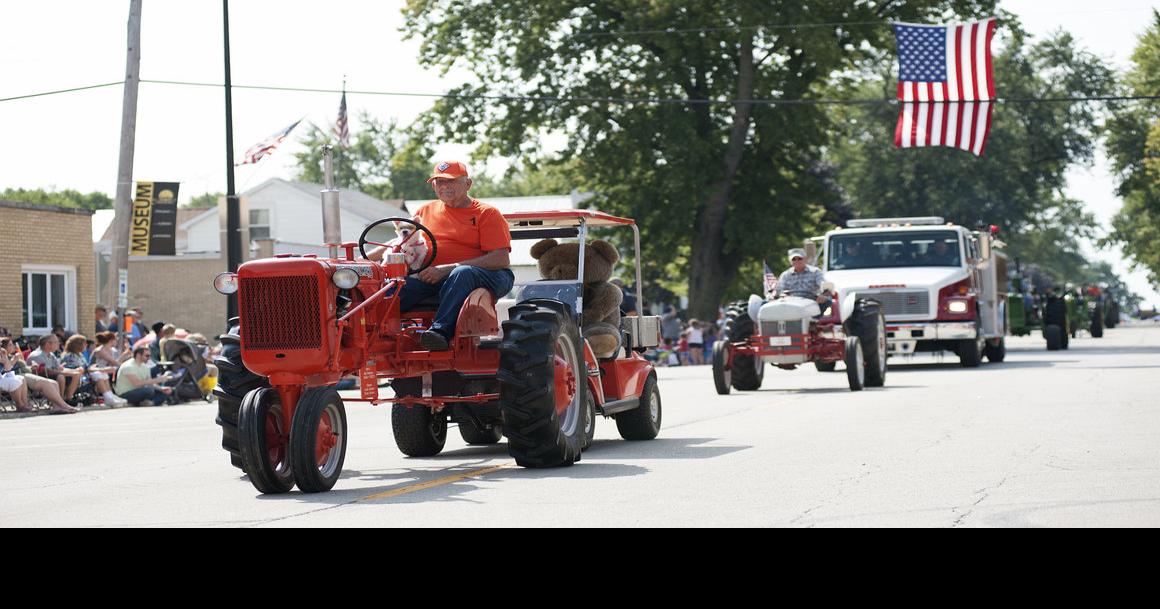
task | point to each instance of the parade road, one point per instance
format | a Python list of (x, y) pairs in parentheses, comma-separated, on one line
[(1054, 439)]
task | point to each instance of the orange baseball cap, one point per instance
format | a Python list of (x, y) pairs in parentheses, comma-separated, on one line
[(449, 169)]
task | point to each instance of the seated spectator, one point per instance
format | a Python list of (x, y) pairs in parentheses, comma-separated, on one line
[(98, 376), (106, 355), (136, 383), (46, 357), (11, 360)]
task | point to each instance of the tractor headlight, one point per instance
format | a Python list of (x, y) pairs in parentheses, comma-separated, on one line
[(226, 283), (957, 306), (345, 278)]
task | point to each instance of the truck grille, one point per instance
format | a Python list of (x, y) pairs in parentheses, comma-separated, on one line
[(782, 328), (280, 313), (902, 303)]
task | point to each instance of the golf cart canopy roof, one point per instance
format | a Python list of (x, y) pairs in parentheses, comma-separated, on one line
[(568, 218)]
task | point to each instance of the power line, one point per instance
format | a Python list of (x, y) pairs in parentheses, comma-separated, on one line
[(108, 84)]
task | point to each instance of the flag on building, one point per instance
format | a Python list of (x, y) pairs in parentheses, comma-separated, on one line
[(341, 126), (946, 85), (267, 146), (770, 281)]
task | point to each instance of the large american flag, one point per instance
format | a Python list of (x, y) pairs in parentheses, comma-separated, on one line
[(341, 126), (946, 84), (267, 146)]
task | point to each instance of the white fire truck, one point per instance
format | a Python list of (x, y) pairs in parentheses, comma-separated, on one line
[(942, 287)]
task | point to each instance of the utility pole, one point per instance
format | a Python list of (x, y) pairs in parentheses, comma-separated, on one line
[(124, 202), (233, 206)]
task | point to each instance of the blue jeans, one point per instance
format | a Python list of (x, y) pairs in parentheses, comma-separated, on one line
[(143, 394), (453, 292)]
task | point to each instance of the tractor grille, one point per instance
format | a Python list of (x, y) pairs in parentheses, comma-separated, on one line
[(782, 328), (280, 313), (902, 303)]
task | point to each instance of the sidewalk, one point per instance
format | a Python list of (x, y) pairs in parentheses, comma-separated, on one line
[(8, 410)]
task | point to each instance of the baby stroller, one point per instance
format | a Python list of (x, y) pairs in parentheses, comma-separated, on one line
[(193, 380)]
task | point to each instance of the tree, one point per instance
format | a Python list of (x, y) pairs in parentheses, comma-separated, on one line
[(1134, 147), (705, 171), (59, 198), (205, 201)]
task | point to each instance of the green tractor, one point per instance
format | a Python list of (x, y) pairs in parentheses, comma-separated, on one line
[(1060, 314)]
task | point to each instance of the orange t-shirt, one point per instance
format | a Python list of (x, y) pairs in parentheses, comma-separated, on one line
[(465, 233)]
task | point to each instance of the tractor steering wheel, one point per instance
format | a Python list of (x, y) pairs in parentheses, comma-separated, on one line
[(363, 241)]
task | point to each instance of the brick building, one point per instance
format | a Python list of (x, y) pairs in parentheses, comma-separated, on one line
[(47, 269)]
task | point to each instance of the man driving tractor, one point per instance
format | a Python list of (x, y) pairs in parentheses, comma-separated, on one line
[(803, 281), (474, 247)]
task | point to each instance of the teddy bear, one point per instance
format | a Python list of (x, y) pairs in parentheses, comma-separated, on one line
[(559, 262)]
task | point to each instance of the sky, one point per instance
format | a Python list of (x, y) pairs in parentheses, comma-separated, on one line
[(72, 140)]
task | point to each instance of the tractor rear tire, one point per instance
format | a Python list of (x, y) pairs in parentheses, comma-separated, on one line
[(748, 371), (260, 421), (1054, 335), (871, 331), (542, 342), (419, 431), (320, 416), (642, 423), (722, 376), (234, 382), (474, 436)]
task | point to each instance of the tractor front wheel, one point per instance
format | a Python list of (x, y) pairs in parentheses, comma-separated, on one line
[(419, 431), (855, 364), (722, 375), (318, 440), (264, 442), (474, 436)]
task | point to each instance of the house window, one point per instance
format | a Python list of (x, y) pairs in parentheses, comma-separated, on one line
[(259, 224), (49, 299)]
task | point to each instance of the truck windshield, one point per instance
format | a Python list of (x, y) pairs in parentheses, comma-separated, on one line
[(890, 250)]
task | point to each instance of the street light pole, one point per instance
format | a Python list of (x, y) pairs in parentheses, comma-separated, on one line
[(119, 261), (233, 206)]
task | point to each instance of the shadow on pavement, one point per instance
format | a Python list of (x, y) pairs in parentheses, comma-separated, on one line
[(987, 366)]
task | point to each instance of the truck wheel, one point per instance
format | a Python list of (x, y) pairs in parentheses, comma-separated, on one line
[(748, 371), (826, 366), (419, 432), (722, 376), (475, 436), (234, 382), (264, 443), (872, 335), (1054, 336), (318, 439), (855, 364), (970, 353), (542, 385), (644, 422), (997, 352)]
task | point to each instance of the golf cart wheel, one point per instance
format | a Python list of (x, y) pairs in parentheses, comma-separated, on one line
[(855, 364), (474, 436), (264, 443), (722, 375), (234, 382), (1054, 336), (643, 422), (418, 430), (996, 352), (589, 421), (748, 371), (318, 439), (543, 382)]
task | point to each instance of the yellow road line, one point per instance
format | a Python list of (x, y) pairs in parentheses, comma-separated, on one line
[(422, 486)]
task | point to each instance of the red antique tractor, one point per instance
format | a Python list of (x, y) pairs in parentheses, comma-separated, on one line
[(307, 322)]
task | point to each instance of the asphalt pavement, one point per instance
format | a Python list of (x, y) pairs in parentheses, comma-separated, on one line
[(1059, 439)]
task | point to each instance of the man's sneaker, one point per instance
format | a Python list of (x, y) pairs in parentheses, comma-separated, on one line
[(434, 341)]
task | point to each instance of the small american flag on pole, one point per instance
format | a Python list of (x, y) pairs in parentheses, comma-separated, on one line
[(341, 126), (267, 146), (770, 281), (946, 83)]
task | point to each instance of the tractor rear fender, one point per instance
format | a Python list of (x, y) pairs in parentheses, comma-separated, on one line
[(478, 316)]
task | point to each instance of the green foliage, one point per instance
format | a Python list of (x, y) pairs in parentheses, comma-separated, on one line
[(729, 181), (205, 201), (382, 161), (59, 198), (1134, 146)]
